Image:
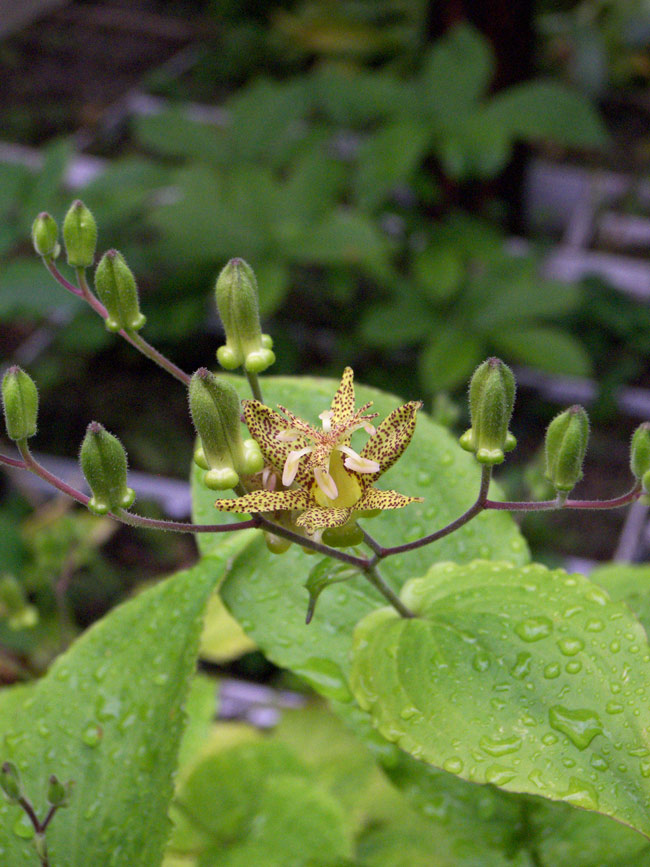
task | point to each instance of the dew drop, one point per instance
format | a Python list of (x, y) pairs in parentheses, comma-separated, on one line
[(568, 762), (552, 670), (23, 828), (481, 661), (498, 775), (500, 746), (573, 667), (534, 628), (521, 668), (92, 735), (594, 625), (454, 766), (408, 713), (598, 762), (160, 679), (614, 707), (580, 726), (615, 646), (645, 769), (581, 794), (549, 739), (570, 646), (535, 777)]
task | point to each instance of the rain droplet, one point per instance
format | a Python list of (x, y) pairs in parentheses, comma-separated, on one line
[(581, 794), (498, 775), (580, 726), (573, 667), (23, 828), (598, 762), (500, 746), (645, 769), (92, 735), (521, 668), (454, 766), (552, 670), (160, 679), (615, 646), (481, 661), (594, 625), (614, 707), (549, 739), (570, 646), (408, 713), (597, 596), (534, 628)]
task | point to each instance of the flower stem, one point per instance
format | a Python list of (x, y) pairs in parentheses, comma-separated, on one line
[(584, 505), (372, 574), (254, 382)]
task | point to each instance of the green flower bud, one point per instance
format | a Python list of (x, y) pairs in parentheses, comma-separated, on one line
[(347, 536), (58, 793), (104, 464), (236, 294), (216, 412), (79, 235), (115, 285), (640, 450), (13, 604), (276, 544), (20, 403), (491, 399), (565, 447), (45, 234), (645, 487), (10, 781)]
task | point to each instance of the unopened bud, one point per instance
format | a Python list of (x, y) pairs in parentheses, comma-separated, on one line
[(104, 465), (79, 235), (45, 234), (236, 294), (216, 412), (640, 451), (58, 793), (491, 399), (10, 781), (347, 536), (565, 447), (117, 290), (20, 403)]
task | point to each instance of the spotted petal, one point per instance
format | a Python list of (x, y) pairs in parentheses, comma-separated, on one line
[(375, 499), (264, 425), (320, 519), (392, 437), (343, 402), (265, 501)]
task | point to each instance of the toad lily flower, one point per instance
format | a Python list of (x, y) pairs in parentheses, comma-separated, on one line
[(322, 477)]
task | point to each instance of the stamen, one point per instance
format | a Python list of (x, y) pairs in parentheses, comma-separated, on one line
[(326, 418), (287, 436), (355, 462), (326, 483), (291, 465)]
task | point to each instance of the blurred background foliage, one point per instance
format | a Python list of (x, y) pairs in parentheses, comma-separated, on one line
[(367, 158)]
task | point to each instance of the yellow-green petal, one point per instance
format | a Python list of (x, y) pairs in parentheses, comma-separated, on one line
[(319, 519), (264, 425), (375, 499), (391, 439), (343, 402)]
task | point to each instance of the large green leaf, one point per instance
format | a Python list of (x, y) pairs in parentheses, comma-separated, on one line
[(266, 592), (387, 159), (629, 582), (545, 347), (549, 110), (528, 679), (108, 715)]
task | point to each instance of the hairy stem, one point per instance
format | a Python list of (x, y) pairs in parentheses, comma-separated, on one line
[(254, 382), (585, 505)]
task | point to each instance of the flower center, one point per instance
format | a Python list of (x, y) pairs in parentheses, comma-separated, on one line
[(348, 488)]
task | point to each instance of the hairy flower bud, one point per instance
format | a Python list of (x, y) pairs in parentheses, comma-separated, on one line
[(565, 448), (10, 781), (79, 235), (236, 294), (216, 412), (45, 234), (104, 465), (491, 399), (640, 451), (117, 290), (20, 403)]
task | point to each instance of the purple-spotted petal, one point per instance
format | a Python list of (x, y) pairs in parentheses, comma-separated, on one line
[(375, 499), (265, 501), (392, 437), (265, 425), (342, 408), (320, 519)]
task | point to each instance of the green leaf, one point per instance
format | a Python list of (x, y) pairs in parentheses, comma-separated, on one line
[(325, 573), (382, 326), (27, 288), (547, 348), (172, 133), (222, 639), (108, 715), (548, 110), (629, 583), (517, 676), (450, 357), (257, 797), (266, 592), (438, 271), (342, 237), (456, 72), (387, 159)]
